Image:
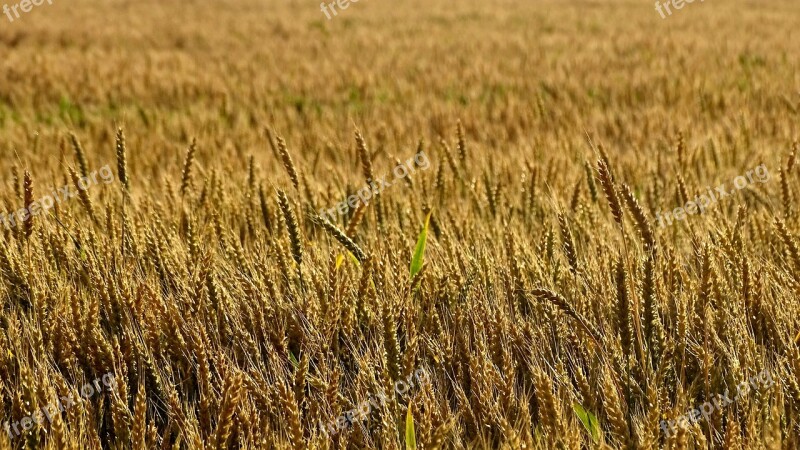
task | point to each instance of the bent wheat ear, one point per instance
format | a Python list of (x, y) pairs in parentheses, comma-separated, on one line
[(562, 304), (341, 237)]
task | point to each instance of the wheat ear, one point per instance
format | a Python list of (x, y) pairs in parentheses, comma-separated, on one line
[(462, 143), (122, 162), (186, 174), (28, 192), (291, 228), (639, 217)]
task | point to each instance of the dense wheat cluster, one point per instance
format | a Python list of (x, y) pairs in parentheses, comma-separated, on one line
[(213, 278)]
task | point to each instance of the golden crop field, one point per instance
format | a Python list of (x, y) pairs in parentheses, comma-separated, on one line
[(417, 224)]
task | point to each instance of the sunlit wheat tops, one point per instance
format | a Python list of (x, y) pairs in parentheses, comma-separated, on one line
[(253, 285)]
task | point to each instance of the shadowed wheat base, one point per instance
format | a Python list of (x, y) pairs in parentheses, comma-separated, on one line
[(232, 317)]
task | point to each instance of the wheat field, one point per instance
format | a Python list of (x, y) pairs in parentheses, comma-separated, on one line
[(586, 236)]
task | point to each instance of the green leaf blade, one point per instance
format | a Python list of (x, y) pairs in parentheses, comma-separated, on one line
[(589, 421), (411, 436), (419, 251)]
